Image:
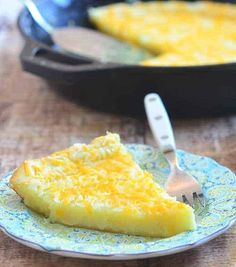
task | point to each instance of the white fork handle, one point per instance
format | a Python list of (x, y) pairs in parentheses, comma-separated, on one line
[(159, 122)]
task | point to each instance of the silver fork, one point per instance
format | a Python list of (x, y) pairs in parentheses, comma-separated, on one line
[(179, 184)]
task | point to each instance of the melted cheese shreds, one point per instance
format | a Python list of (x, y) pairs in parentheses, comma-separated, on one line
[(98, 186), (100, 172), (179, 32)]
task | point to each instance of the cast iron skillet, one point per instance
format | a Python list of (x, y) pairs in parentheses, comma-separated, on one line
[(187, 91)]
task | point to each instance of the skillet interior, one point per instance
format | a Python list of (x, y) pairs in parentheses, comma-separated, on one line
[(202, 90), (56, 15)]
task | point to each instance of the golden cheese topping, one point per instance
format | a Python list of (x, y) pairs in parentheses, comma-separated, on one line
[(180, 33), (100, 186), (102, 172)]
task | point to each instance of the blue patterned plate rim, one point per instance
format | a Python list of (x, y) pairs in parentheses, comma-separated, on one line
[(147, 154), (71, 253)]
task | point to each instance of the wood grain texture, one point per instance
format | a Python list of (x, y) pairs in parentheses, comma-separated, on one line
[(34, 121)]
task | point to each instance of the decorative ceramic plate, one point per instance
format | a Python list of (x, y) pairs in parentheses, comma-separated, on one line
[(219, 185)]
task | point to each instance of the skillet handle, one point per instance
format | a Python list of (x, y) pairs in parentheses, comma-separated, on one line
[(49, 63)]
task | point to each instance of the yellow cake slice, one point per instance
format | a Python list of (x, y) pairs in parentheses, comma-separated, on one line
[(100, 186)]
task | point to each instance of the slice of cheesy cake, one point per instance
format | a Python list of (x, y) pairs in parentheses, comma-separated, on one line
[(99, 186)]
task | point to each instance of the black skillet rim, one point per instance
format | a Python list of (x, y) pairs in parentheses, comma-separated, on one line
[(210, 67)]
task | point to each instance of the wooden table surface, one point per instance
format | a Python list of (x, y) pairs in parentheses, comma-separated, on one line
[(34, 121)]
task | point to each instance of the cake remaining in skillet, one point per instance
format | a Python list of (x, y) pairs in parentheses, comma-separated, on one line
[(180, 33), (99, 186)]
